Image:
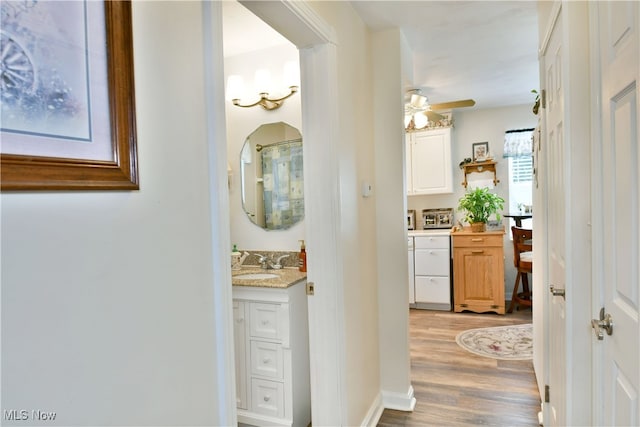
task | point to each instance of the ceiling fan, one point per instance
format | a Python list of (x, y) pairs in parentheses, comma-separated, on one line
[(417, 105)]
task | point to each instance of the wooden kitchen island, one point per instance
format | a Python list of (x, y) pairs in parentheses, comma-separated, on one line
[(478, 271)]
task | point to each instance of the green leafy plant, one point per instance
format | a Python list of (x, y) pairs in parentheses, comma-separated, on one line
[(536, 105), (479, 204)]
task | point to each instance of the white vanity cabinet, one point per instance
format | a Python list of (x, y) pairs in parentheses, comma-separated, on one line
[(432, 260), (272, 355), (429, 162)]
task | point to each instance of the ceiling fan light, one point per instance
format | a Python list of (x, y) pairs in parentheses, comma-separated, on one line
[(420, 120), (418, 101)]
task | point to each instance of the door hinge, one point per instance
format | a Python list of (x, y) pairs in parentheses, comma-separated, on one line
[(543, 98), (546, 393)]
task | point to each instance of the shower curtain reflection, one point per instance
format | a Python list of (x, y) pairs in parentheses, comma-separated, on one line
[(283, 184)]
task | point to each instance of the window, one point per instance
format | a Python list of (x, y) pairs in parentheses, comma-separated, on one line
[(521, 169), (518, 148)]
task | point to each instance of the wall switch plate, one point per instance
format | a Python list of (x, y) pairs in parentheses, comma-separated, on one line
[(367, 189)]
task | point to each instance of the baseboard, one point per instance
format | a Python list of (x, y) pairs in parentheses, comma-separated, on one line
[(374, 413), (399, 401)]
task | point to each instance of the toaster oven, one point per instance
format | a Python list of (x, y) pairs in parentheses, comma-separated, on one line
[(437, 218)]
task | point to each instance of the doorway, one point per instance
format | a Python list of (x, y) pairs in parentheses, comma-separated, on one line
[(315, 40)]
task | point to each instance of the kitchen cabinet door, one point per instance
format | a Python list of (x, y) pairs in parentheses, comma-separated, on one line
[(429, 163)]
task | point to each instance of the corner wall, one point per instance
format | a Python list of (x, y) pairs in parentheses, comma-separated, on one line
[(107, 302)]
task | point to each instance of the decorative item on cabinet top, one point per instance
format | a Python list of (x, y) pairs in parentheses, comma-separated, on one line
[(441, 218), (478, 206)]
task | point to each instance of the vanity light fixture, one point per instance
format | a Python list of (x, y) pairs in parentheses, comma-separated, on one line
[(262, 84)]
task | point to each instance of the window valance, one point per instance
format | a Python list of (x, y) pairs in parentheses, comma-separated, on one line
[(518, 143)]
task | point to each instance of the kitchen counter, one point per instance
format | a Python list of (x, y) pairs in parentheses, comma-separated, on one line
[(286, 277), (430, 232)]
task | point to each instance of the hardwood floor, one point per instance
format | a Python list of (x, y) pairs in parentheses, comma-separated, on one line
[(454, 387)]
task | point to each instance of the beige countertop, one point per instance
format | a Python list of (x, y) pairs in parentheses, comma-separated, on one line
[(430, 232), (286, 277)]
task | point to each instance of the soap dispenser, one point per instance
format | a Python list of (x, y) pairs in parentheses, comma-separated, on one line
[(236, 262), (302, 258)]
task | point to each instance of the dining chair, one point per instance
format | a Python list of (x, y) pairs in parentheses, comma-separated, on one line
[(523, 262)]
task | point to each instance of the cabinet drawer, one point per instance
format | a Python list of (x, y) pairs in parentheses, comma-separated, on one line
[(433, 290), (267, 397), (266, 359), (476, 241), (427, 242), (265, 320), (432, 262)]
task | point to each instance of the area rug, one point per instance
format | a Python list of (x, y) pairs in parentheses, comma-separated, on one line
[(502, 342)]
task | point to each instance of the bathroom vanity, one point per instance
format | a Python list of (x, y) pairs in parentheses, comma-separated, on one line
[(271, 347)]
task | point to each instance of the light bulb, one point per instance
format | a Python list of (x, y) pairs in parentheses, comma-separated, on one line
[(235, 87), (420, 120), (262, 81), (291, 74)]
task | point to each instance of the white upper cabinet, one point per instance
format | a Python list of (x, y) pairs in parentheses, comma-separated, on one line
[(429, 164)]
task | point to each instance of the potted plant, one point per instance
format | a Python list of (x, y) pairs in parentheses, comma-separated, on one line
[(536, 105), (479, 205)]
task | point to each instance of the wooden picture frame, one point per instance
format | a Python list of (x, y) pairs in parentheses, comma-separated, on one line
[(480, 151), (26, 172)]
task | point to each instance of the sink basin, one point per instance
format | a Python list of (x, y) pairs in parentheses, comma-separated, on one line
[(255, 276)]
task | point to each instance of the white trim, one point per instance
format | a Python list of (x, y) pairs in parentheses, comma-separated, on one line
[(555, 14), (318, 71), (597, 213), (295, 20), (374, 413), (322, 220), (222, 316), (255, 419), (399, 401)]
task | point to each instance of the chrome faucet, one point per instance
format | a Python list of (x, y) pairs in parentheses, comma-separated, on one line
[(277, 265), (266, 263), (263, 260)]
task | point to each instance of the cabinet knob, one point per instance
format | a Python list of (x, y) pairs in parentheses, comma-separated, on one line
[(267, 398), (266, 360), (265, 322)]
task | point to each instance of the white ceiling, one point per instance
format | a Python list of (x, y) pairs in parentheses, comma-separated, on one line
[(483, 50)]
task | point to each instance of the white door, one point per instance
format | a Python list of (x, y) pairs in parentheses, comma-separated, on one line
[(617, 284), (567, 143), (554, 147)]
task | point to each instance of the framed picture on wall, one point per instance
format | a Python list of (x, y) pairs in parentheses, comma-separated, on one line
[(480, 151), (68, 109)]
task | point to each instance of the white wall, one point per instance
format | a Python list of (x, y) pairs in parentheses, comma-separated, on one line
[(241, 122), (107, 302), (471, 125), (358, 242), (393, 314)]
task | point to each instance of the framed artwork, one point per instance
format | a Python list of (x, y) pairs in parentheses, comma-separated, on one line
[(480, 151), (68, 109)]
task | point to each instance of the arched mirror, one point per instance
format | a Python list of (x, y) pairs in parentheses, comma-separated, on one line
[(272, 176)]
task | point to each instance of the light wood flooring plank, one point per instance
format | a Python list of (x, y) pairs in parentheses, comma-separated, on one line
[(454, 387)]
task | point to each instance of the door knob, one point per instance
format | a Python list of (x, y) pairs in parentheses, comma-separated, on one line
[(605, 323)]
